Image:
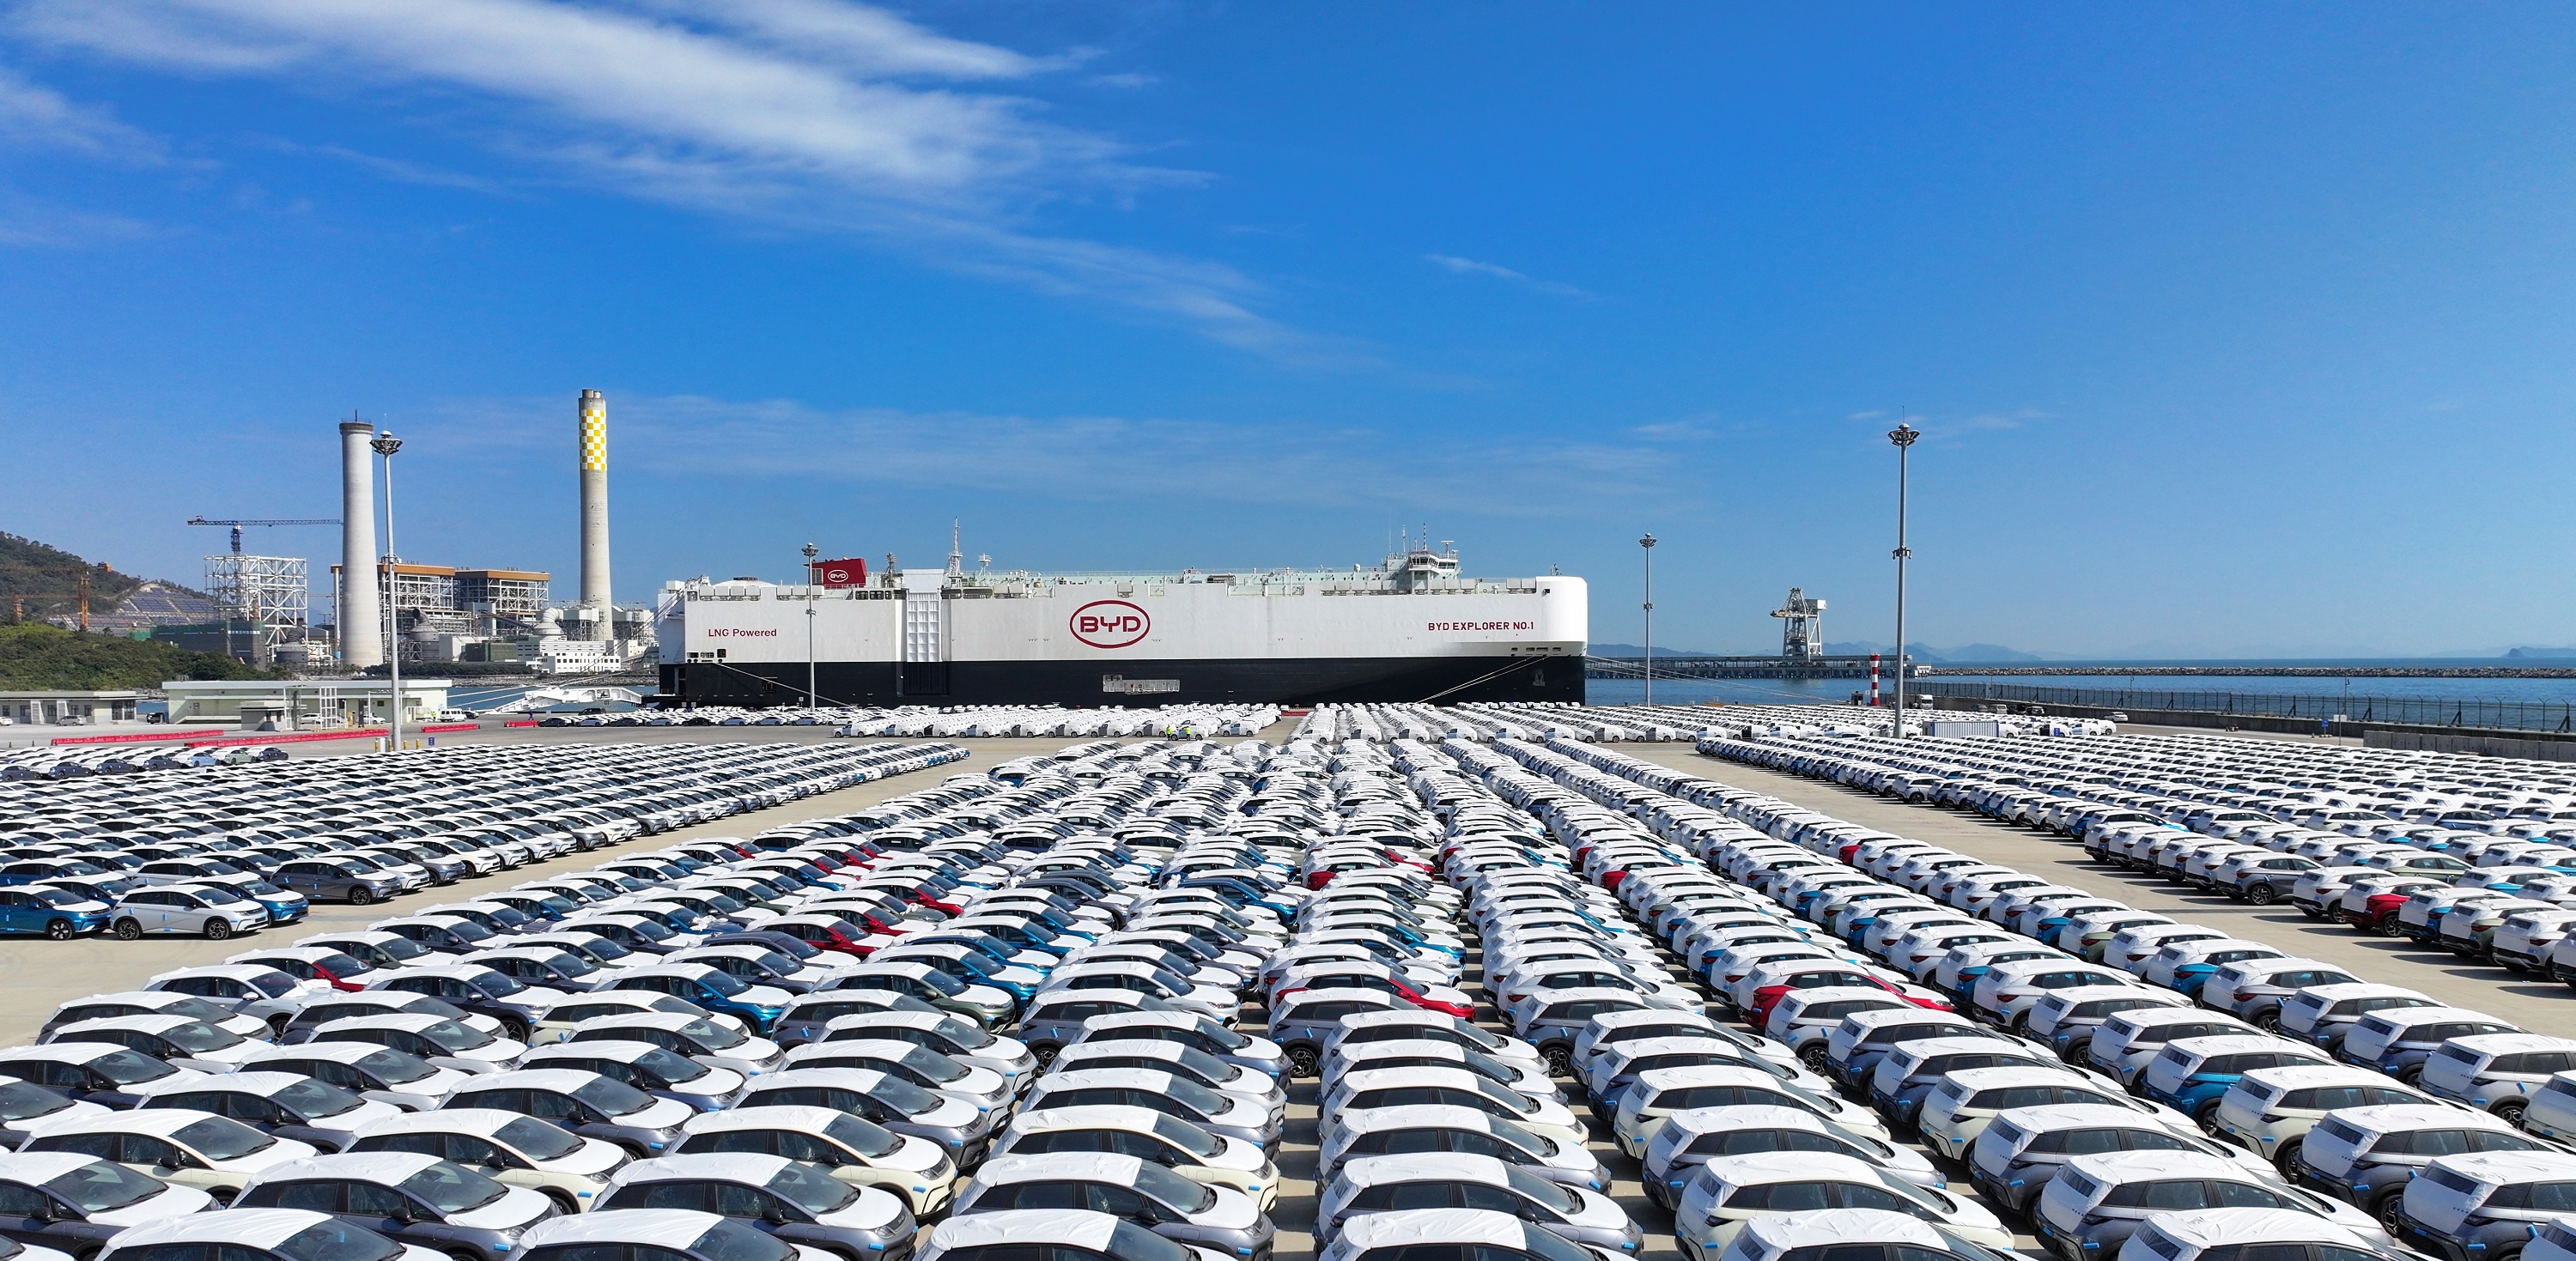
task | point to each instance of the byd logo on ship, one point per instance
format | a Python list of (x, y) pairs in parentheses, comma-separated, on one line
[(1110, 624)]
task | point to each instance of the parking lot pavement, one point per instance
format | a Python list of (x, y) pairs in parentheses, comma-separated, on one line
[(37, 975), (2542, 1006)]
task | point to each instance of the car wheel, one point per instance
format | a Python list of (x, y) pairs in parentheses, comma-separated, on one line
[(2286, 1160), (1559, 1058), (2206, 1116), (514, 1029), (1304, 1060), (2262, 895), (218, 929), (2510, 1112), (2269, 1022), (223, 1196), (58, 929), (128, 930), (1814, 1056), (2385, 1209), (564, 1203), (362, 897)]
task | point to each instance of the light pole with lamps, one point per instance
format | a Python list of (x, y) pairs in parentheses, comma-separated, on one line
[(1903, 436), (385, 444), (1648, 543), (810, 553)]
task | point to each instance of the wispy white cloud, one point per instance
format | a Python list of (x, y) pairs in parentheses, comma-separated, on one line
[(1471, 267), (1088, 458), (812, 115), (28, 223), (39, 117), (1673, 431)]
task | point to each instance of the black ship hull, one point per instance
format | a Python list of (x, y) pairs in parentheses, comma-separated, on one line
[(1088, 685)]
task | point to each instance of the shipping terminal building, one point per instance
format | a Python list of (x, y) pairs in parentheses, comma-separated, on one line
[(1410, 630)]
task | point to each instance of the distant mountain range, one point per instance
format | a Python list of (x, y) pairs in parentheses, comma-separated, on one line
[(1964, 654)]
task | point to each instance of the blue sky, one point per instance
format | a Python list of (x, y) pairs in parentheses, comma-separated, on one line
[(2233, 330)]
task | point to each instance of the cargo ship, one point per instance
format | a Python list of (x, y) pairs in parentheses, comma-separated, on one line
[(1410, 629)]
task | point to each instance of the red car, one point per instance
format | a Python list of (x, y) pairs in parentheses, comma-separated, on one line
[(1769, 996), (1385, 985)]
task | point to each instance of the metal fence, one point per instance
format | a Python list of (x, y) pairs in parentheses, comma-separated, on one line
[(2415, 711)]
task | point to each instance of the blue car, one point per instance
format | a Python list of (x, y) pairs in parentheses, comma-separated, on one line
[(49, 912)]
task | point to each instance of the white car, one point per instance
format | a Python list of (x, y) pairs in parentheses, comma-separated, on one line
[(1731, 1191)]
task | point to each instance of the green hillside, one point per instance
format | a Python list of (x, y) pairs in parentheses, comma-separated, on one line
[(38, 582), (40, 656)]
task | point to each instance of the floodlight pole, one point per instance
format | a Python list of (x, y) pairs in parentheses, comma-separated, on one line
[(1903, 436), (385, 444), (810, 553), (1648, 543)]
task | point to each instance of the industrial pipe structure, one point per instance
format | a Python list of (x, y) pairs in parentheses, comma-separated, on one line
[(595, 597), (361, 612)]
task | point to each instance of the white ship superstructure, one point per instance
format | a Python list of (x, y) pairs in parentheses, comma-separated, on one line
[(1412, 629)]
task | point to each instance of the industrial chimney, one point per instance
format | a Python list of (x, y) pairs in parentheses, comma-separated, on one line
[(361, 612), (595, 600)]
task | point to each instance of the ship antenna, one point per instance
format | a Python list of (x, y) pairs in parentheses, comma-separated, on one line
[(956, 558)]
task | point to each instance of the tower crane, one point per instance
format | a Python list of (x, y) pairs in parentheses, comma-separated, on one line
[(238, 524)]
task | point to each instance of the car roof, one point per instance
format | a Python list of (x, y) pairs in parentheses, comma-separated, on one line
[(2052, 1116), (1050, 1166), (643, 1225), (619, 1049), (383, 1167), (2110, 1167), (1831, 1226), (1078, 1227), (1745, 1116), (480, 1121), (36, 1168), (319, 1048), (2210, 1227), (2510, 1166), (752, 1167), (1424, 1225), (1791, 1167), (1973, 1079), (254, 1227), (162, 1121), (802, 1118)]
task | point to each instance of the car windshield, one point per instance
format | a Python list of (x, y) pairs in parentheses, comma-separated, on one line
[(215, 895), (1513, 1133), (197, 1035), (1173, 1189), (402, 949), (1205, 1102), (712, 1036), (126, 1068), (962, 1035), (334, 1240), (58, 897), (497, 985), (615, 1098), (221, 1138), (449, 1035), (568, 964), (1187, 1137), (931, 1064), (452, 1189), (310, 1100), (393, 1067), (867, 1138), (722, 982), (670, 1068), (647, 929), (729, 1240), (1549, 1246), (21, 1100), (341, 965), (903, 1096), (100, 1186), (537, 1140), (816, 1191), (1129, 1242), (603, 950)]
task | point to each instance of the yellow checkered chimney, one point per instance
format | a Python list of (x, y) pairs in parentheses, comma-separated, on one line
[(595, 596)]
